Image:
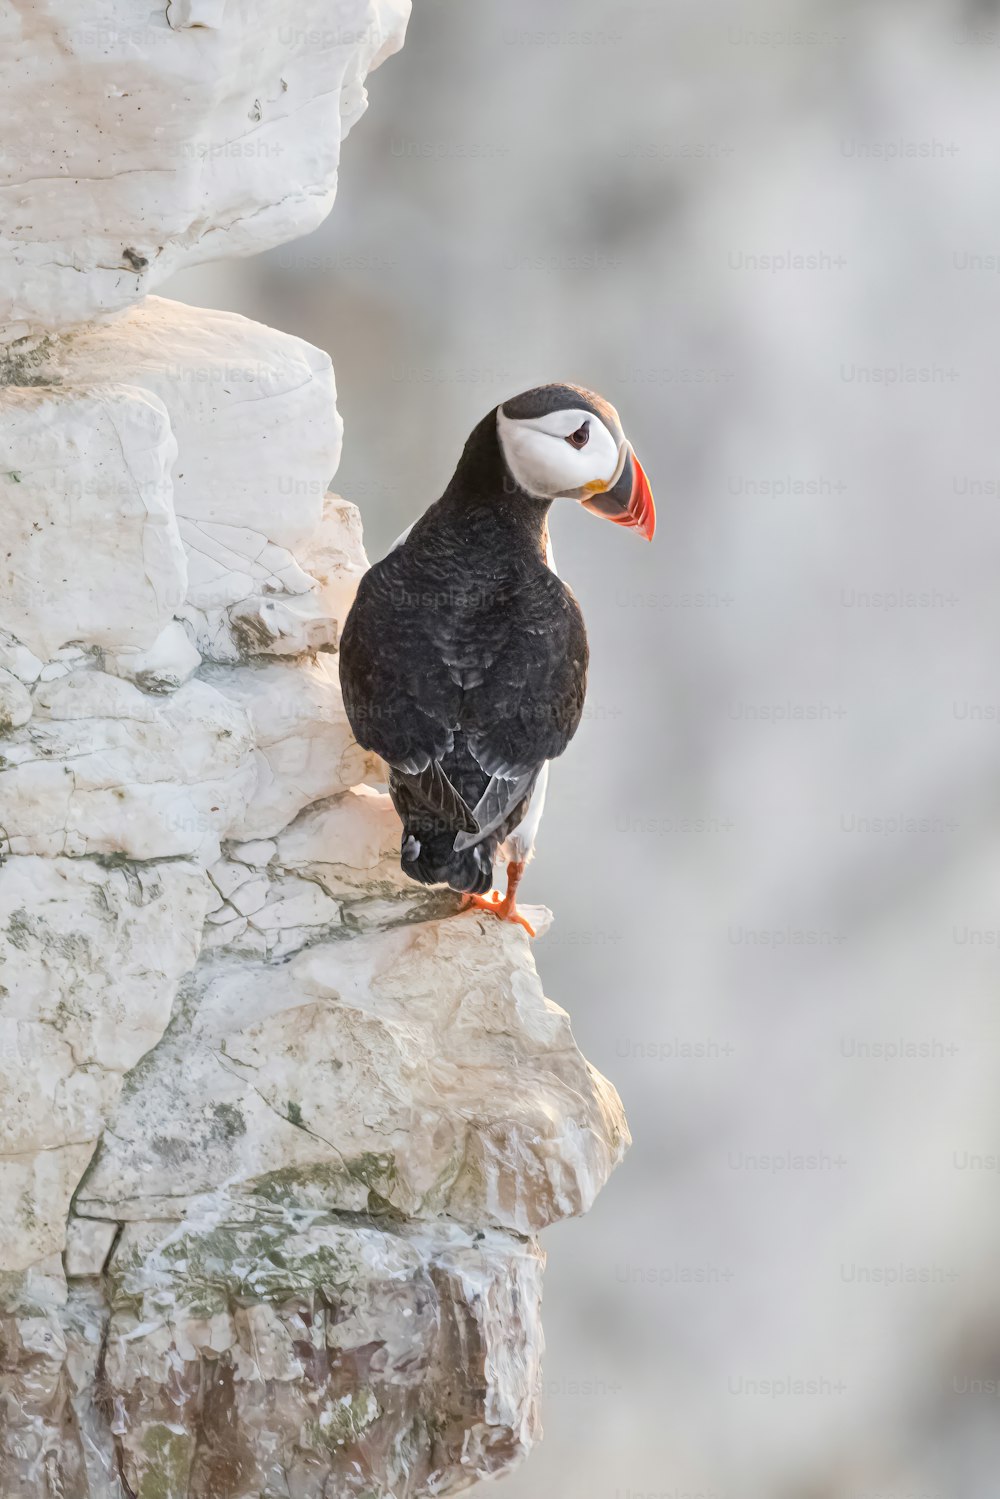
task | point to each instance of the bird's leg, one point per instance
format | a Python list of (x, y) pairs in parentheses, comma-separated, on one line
[(506, 908)]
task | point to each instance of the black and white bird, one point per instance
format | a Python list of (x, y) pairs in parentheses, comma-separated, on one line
[(464, 657)]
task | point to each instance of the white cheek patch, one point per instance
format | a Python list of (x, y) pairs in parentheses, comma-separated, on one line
[(545, 464)]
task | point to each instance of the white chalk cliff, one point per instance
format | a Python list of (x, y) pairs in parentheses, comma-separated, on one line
[(277, 1127)]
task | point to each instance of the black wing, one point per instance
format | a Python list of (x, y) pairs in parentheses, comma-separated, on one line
[(399, 696), (529, 708)]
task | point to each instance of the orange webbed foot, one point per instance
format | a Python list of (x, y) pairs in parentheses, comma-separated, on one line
[(505, 907), (483, 902)]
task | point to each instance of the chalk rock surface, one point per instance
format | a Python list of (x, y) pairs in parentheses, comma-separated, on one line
[(141, 139), (174, 462), (104, 768), (420, 1070), (277, 1126), (88, 517), (90, 960)]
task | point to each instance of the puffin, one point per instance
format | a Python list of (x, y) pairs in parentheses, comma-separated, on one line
[(463, 660)]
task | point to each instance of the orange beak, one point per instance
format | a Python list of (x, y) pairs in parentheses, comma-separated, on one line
[(629, 501), (641, 512)]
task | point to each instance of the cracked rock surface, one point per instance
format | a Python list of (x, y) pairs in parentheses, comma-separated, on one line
[(277, 1126), (91, 958), (419, 1070)]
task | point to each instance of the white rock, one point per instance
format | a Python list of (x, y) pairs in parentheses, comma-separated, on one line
[(227, 876), (142, 140), (103, 768), (334, 561), (421, 1066), (282, 627), (54, 671), (170, 662), (215, 902), (350, 846), (224, 933), (16, 658), (15, 702), (221, 914), (335, 556), (304, 747), (257, 853), (358, 833), (283, 913), (88, 1243), (90, 958), (539, 918), (37, 1184), (91, 548), (281, 942), (257, 944), (297, 903), (249, 897), (253, 413)]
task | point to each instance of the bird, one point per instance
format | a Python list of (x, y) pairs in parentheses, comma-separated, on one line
[(463, 659)]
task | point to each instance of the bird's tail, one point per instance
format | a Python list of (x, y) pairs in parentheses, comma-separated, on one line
[(432, 860)]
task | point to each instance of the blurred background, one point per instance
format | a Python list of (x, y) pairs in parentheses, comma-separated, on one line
[(771, 236)]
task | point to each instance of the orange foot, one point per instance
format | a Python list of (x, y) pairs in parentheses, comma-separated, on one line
[(505, 908)]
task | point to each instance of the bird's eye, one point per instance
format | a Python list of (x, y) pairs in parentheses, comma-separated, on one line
[(580, 437)]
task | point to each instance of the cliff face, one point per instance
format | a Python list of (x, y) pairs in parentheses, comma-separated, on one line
[(276, 1126)]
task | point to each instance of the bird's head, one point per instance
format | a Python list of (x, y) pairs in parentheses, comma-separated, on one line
[(564, 442)]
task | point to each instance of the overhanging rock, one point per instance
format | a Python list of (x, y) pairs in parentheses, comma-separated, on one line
[(139, 139)]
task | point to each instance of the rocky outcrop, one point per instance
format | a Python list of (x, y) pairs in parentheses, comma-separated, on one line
[(277, 1127), (417, 1071), (302, 1353), (138, 139)]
